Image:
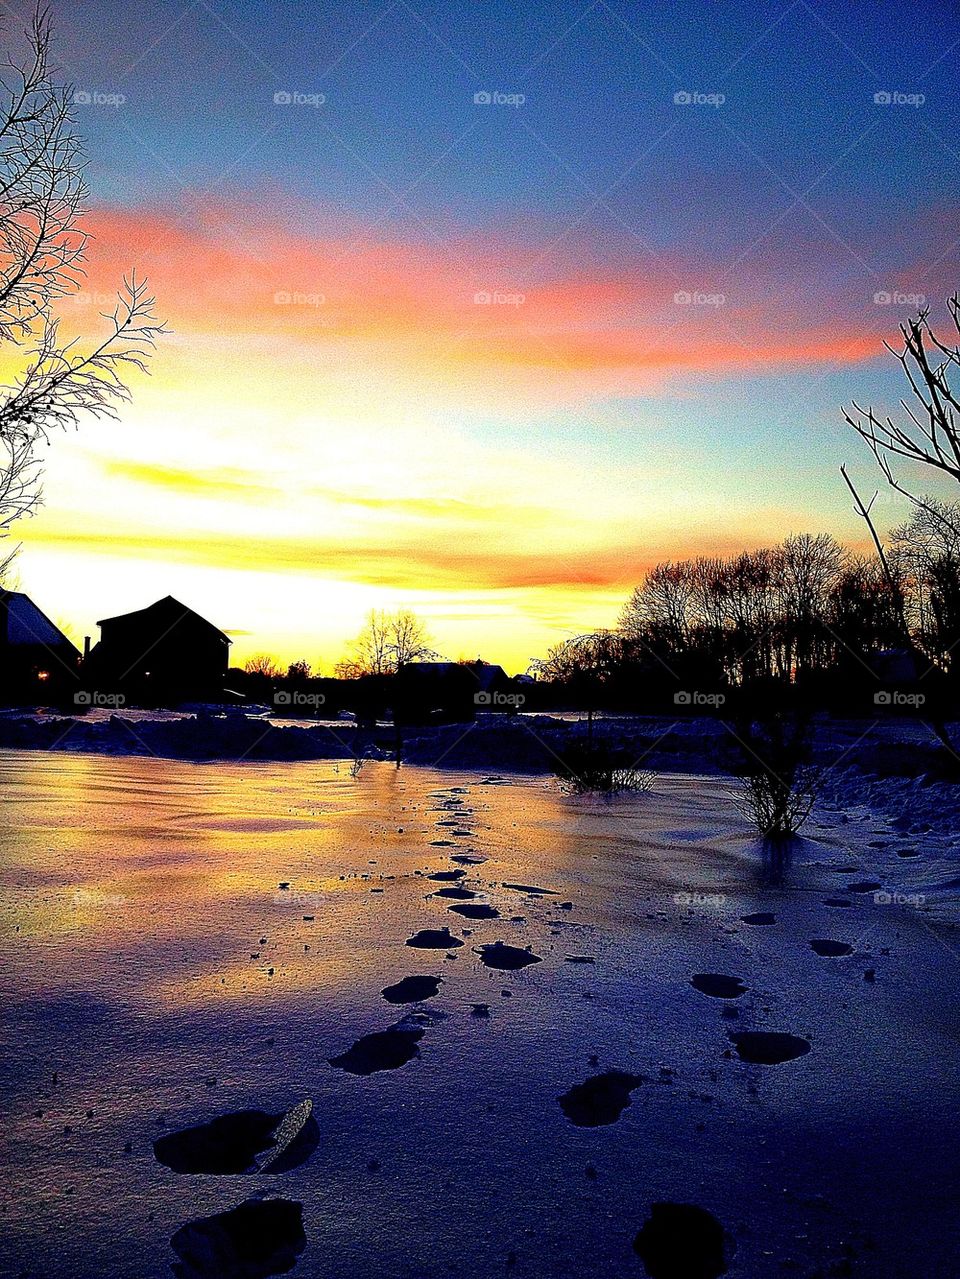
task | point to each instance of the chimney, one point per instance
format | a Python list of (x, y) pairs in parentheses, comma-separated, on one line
[(86, 647)]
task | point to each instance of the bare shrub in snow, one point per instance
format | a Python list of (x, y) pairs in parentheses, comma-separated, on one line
[(588, 767), (777, 784)]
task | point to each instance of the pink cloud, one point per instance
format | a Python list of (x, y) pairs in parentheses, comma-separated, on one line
[(576, 326)]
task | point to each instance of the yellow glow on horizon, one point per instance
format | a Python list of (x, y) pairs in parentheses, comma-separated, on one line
[(287, 467)]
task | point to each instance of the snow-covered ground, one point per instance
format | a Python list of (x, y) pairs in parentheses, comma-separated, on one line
[(189, 940), (896, 765)]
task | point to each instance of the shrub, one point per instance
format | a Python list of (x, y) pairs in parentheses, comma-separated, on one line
[(778, 785), (586, 767)]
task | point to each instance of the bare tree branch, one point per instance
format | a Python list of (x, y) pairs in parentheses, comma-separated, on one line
[(931, 433), (42, 250)]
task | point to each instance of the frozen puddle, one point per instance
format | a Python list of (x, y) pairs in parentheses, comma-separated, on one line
[(830, 949), (475, 910), (434, 939)]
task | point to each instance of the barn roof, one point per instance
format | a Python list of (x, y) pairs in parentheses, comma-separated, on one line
[(22, 623), (166, 613)]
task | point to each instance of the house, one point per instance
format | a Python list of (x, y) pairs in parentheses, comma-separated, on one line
[(451, 690), (165, 652), (37, 661)]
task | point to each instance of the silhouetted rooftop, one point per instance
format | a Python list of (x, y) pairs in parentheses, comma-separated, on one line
[(22, 623), (164, 612)]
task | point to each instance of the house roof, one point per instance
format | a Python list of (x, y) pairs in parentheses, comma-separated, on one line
[(483, 672), (488, 674), (167, 613), (22, 623)]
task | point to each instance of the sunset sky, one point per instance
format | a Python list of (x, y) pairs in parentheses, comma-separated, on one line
[(489, 360)]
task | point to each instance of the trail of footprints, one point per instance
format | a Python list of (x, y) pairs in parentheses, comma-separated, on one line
[(264, 1235)]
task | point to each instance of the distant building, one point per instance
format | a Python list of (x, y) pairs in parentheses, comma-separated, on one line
[(451, 690), (162, 653), (37, 661)]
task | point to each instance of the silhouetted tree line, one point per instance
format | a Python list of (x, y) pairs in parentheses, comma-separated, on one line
[(805, 616)]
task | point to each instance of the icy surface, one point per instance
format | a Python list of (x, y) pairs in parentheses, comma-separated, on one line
[(186, 941)]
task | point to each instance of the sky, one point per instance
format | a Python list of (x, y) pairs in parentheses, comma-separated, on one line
[(484, 309)]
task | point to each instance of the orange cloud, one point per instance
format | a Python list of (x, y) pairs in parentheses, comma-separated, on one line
[(463, 311), (444, 562)]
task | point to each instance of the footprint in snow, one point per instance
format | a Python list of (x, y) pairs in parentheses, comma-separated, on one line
[(499, 955)]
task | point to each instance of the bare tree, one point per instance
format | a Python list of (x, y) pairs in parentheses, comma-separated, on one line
[(42, 251), (810, 566), (369, 653), (409, 641), (584, 663), (931, 433), (662, 605), (927, 549), (387, 641), (760, 614), (866, 605), (264, 665)]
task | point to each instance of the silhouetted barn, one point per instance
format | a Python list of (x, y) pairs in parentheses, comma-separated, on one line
[(37, 661), (162, 653)]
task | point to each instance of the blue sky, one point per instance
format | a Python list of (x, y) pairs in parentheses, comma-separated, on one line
[(781, 200)]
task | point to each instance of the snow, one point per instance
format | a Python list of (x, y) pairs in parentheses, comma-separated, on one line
[(157, 975)]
